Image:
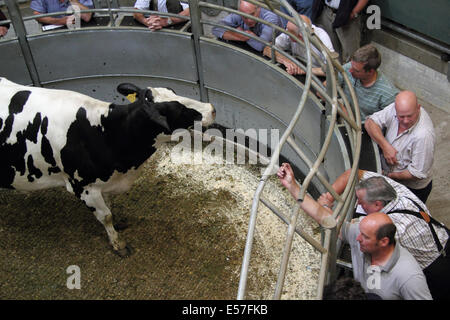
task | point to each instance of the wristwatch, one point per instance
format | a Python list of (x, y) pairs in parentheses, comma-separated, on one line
[(169, 21)]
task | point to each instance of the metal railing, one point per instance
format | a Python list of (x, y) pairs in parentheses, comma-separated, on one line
[(340, 112)]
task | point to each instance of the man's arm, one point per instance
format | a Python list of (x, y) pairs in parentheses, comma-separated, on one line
[(401, 175), (233, 21), (51, 20), (141, 18), (374, 131), (84, 16), (158, 22), (64, 20), (358, 8), (339, 186), (291, 67), (235, 36), (320, 214)]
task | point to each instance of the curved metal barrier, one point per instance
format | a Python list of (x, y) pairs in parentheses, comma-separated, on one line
[(199, 66)]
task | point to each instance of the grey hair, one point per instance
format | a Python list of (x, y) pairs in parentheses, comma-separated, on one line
[(377, 189)]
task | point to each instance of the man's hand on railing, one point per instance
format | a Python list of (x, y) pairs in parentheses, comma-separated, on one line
[(3, 31), (326, 200), (287, 179), (156, 22)]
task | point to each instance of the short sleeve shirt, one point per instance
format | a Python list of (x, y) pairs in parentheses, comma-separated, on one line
[(283, 41), (415, 146), (50, 6), (401, 278), (262, 30), (370, 99)]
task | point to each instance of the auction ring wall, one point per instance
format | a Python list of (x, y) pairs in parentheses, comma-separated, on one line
[(247, 90)]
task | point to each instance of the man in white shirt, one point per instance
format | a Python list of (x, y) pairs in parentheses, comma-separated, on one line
[(407, 147), (285, 42), (155, 22)]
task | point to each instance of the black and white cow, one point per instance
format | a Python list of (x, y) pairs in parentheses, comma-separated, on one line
[(51, 138)]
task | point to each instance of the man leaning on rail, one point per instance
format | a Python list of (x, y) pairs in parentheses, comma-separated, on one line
[(425, 238), (286, 43), (373, 89), (156, 22), (249, 26), (50, 6)]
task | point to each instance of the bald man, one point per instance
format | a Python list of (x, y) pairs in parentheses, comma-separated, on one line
[(381, 265), (407, 147), (249, 26)]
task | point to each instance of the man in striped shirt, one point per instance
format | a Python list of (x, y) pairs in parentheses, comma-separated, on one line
[(373, 90), (376, 193)]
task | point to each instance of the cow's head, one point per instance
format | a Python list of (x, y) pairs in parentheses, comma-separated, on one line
[(168, 109)]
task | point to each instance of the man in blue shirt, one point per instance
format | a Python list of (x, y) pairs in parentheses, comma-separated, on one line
[(249, 26), (50, 6)]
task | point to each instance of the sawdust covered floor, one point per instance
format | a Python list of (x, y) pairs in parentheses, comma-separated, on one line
[(187, 226)]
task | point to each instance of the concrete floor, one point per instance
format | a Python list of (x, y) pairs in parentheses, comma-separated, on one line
[(439, 201)]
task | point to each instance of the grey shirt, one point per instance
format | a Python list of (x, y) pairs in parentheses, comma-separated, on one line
[(401, 278)]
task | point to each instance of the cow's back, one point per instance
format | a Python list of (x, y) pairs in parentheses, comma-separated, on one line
[(33, 129)]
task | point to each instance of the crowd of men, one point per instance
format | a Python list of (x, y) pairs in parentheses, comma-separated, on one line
[(396, 235)]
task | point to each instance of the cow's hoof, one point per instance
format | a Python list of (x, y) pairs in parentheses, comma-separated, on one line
[(121, 225), (124, 252)]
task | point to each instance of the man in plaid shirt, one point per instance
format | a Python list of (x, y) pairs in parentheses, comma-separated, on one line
[(428, 243)]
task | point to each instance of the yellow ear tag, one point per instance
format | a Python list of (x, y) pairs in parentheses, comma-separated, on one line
[(131, 97)]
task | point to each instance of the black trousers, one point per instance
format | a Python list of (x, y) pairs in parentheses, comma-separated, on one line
[(423, 194), (438, 276)]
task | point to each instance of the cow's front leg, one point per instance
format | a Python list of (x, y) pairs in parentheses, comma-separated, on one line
[(92, 197)]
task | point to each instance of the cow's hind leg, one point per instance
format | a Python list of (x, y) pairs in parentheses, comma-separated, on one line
[(92, 197)]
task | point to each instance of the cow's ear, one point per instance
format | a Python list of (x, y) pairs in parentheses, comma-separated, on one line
[(128, 88), (156, 117), (148, 96)]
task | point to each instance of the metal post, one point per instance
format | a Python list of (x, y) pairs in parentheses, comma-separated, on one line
[(197, 32), (19, 27)]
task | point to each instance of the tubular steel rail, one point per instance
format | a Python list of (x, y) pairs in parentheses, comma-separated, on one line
[(337, 106)]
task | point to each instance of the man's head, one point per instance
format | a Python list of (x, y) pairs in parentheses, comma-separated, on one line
[(365, 62), (374, 194), (376, 233), (251, 9), (407, 109), (291, 27)]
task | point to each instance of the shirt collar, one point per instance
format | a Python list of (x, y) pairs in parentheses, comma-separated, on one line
[(392, 260), (392, 204), (387, 267)]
